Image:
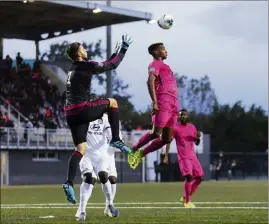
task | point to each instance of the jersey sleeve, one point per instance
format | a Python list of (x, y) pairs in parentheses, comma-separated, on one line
[(154, 69), (110, 64), (107, 128)]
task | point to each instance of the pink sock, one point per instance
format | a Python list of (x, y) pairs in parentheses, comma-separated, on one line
[(146, 138), (195, 185), (187, 189), (154, 146)]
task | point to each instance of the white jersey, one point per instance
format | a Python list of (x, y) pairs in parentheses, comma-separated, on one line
[(98, 137)]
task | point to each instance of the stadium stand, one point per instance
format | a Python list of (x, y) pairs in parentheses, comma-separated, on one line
[(32, 94)]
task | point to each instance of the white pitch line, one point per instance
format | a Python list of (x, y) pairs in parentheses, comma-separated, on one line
[(47, 217), (91, 207), (144, 203)]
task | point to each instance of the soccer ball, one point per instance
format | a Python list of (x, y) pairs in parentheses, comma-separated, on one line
[(166, 21)]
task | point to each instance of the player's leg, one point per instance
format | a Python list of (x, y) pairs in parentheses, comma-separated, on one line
[(198, 173), (158, 143), (79, 133), (106, 185), (159, 121), (168, 130), (154, 133), (113, 182), (164, 122), (187, 189), (89, 179), (112, 177), (113, 185), (135, 157), (187, 171), (149, 136), (163, 118), (96, 110), (85, 193)]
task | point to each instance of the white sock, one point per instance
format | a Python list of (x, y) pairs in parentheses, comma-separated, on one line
[(113, 190), (108, 193), (85, 194)]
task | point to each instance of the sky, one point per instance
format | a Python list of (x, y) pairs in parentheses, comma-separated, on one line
[(226, 40)]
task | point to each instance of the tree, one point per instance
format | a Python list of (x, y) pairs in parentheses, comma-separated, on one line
[(57, 54), (196, 94), (119, 87), (234, 129), (57, 51)]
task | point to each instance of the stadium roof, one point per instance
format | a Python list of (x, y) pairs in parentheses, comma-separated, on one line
[(35, 20)]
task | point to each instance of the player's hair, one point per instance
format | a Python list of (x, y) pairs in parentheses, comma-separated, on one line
[(72, 50), (183, 110), (153, 47)]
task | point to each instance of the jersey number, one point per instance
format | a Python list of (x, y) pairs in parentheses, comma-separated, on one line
[(69, 75)]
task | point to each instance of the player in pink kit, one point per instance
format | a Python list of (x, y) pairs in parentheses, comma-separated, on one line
[(186, 135), (162, 87)]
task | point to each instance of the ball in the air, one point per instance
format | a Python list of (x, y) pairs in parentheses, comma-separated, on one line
[(166, 22)]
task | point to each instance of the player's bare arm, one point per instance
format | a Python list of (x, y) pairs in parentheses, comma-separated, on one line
[(197, 139), (167, 149), (152, 93)]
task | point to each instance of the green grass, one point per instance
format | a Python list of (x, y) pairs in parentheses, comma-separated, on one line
[(229, 192)]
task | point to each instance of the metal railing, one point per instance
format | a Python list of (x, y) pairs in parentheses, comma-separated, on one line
[(41, 138), (35, 138), (11, 110)]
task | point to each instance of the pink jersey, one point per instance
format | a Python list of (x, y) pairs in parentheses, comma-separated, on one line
[(166, 83), (185, 136)]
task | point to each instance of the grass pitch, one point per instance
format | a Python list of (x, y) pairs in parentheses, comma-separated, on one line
[(217, 202)]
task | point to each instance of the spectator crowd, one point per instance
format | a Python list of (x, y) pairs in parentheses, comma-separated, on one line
[(31, 93)]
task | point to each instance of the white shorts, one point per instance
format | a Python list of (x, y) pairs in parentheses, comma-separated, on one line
[(92, 163)]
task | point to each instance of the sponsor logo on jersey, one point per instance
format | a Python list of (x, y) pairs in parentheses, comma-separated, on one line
[(151, 69), (95, 127)]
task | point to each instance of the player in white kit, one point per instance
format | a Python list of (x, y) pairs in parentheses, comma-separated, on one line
[(99, 159)]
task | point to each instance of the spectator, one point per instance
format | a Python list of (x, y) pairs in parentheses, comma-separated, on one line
[(2, 120), (9, 62), (19, 60), (6, 117), (218, 169), (36, 66), (3, 66), (27, 125), (48, 112), (33, 94)]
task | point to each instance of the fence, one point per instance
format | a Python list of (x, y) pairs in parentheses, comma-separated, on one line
[(12, 112), (30, 150), (40, 156), (238, 165), (35, 138)]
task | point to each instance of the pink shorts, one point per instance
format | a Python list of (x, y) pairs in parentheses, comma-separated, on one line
[(191, 167), (167, 115)]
